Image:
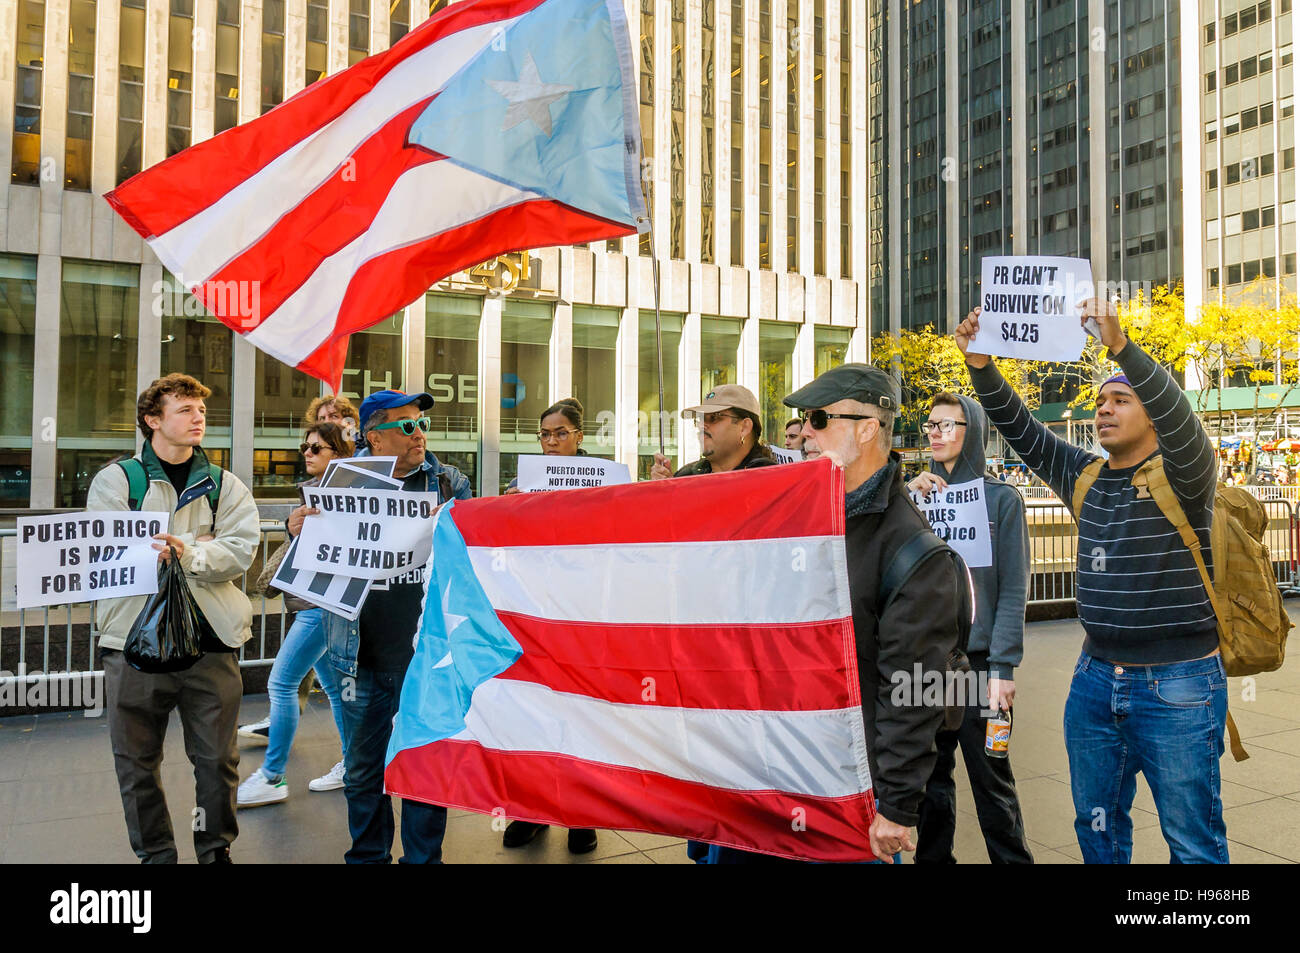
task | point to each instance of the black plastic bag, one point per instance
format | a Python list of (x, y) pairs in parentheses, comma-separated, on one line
[(167, 634)]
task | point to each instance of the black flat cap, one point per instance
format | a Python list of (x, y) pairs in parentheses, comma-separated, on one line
[(861, 382)]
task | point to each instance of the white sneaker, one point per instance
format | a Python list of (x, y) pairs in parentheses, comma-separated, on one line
[(258, 789), (329, 782), (257, 731)]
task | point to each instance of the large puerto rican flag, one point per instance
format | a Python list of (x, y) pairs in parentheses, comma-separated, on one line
[(497, 125), (674, 657)]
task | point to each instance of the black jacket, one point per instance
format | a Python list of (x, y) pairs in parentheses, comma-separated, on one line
[(758, 457), (919, 627)]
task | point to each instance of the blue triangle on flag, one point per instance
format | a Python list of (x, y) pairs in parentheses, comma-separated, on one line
[(549, 106), (460, 644)]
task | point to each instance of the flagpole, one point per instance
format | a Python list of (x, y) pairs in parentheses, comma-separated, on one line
[(659, 334)]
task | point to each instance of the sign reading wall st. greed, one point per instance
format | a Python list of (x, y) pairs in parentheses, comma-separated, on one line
[(80, 557), (366, 534), (959, 515)]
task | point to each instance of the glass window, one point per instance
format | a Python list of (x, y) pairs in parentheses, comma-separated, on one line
[(719, 345), (227, 100), (17, 346), (318, 17), (1212, 179), (130, 92), (98, 325), (595, 370), (708, 112), (81, 94), (196, 343), (451, 325), (179, 53), (650, 424), (399, 20), (776, 341), (272, 54), (1212, 229), (1230, 74), (525, 379), (647, 108), (830, 348), (677, 128), (1214, 277), (1234, 274), (358, 31), (30, 53), (1209, 83)]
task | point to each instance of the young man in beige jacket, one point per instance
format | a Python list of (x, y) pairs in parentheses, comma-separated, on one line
[(214, 549)]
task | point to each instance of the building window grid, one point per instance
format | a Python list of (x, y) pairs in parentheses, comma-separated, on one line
[(765, 134), (819, 137), (647, 111), (180, 53), (792, 137), (272, 54), (677, 124), (81, 95), (737, 140), (227, 93), (708, 113), (130, 90)]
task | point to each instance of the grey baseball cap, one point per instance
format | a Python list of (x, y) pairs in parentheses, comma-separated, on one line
[(862, 382)]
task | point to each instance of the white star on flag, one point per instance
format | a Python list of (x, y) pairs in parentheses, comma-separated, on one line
[(450, 621), (529, 98)]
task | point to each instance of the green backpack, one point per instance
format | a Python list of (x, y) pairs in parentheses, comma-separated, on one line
[(137, 482)]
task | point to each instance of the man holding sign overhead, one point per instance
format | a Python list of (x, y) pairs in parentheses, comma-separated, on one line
[(1149, 691)]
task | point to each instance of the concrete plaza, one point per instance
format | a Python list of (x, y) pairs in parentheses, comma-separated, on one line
[(59, 801)]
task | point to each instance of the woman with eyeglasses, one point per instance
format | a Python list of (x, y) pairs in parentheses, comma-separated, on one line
[(300, 652), (560, 434)]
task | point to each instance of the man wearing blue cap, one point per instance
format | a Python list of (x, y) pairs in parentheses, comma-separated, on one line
[(1149, 691), (374, 651)]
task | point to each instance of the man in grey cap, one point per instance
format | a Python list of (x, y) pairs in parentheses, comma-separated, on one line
[(731, 435), (902, 617)]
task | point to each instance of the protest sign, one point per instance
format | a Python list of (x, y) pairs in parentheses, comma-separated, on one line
[(541, 472), (365, 534), (80, 557), (371, 473), (1029, 307), (341, 595), (959, 515), (782, 455)]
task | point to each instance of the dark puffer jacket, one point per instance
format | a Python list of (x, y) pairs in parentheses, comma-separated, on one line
[(919, 627)]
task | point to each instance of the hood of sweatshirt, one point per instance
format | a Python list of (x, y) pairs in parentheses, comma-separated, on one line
[(970, 463)]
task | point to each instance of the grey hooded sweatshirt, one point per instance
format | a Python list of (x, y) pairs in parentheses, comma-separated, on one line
[(1000, 589)]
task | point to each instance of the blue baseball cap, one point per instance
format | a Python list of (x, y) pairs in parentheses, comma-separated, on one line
[(385, 399)]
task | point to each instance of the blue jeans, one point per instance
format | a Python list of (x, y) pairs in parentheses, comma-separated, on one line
[(301, 650), (368, 719), (1166, 721)]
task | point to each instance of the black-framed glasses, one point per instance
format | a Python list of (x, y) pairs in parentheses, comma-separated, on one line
[(545, 435), (819, 418), (407, 426), (312, 448), (945, 426)]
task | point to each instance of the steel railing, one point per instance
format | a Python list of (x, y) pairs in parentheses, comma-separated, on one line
[(58, 638)]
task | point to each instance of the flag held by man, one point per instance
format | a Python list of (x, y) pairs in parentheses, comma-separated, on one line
[(674, 657), (495, 126)]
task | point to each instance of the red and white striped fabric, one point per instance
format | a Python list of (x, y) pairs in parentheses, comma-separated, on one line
[(688, 665), (318, 219)]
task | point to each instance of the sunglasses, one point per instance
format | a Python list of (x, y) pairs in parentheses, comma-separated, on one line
[(710, 419), (406, 426), (819, 418), (313, 448)]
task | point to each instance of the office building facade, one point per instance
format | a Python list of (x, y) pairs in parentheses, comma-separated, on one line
[(754, 115)]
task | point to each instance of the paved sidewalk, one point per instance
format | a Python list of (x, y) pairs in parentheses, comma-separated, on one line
[(59, 801)]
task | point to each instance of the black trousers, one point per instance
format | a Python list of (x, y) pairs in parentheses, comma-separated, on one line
[(993, 786)]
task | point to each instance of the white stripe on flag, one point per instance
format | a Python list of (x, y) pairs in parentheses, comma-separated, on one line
[(800, 752), (737, 582), (200, 246), (425, 201)]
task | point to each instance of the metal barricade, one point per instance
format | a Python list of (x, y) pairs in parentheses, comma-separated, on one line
[(62, 638)]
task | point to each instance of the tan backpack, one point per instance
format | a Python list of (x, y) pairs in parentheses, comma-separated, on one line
[(1252, 621)]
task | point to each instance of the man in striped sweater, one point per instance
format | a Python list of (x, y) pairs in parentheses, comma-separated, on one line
[(1149, 692)]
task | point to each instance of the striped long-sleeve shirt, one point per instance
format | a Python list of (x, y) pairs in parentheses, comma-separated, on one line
[(1140, 595)]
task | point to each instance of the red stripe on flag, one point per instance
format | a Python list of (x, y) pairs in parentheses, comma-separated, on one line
[(339, 210), (747, 668), (164, 195), (786, 501), (395, 279), (554, 789)]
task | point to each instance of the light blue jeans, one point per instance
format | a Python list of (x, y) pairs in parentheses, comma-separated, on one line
[(301, 650), (1166, 721)]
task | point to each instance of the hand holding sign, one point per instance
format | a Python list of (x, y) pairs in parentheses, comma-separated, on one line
[(1027, 307)]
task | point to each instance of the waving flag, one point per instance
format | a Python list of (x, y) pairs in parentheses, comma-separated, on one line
[(674, 657), (495, 126)]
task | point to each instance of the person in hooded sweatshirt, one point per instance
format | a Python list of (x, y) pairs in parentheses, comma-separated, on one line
[(957, 430)]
